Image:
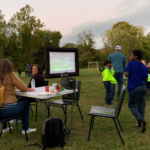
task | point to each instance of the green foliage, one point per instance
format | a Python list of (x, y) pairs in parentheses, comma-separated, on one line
[(86, 45), (70, 45), (25, 36), (146, 47), (23, 40), (51, 39), (124, 34), (3, 38)]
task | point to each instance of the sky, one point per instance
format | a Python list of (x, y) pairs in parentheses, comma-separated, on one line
[(71, 17)]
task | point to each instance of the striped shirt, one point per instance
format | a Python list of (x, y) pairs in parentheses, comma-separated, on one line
[(7, 105)]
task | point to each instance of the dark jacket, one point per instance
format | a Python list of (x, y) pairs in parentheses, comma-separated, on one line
[(19, 71), (39, 81)]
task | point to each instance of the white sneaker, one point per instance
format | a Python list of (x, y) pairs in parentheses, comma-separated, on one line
[(14, 121), (6, 130), (29, 130)]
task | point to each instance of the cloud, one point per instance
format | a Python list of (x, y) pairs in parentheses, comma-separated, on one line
[(135, 12)]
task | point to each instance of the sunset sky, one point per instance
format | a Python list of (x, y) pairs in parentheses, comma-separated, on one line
[(71, 17)]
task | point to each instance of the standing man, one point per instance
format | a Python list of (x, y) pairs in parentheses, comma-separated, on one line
[(28, 68), (119, 63)]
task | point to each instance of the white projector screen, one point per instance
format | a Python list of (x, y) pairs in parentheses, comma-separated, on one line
[(61, 62)]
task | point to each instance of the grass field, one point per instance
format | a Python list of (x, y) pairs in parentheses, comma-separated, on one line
[(103, 137)]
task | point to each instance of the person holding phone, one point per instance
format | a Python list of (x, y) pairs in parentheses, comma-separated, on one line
[(108, 79)]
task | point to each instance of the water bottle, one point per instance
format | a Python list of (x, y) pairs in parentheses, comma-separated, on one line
[(33, 83)]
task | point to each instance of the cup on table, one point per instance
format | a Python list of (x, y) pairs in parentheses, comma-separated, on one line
[(52, 89), (46, 88), (54, 85)]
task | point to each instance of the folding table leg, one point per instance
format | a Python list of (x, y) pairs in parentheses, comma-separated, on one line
[(118, 132), (36, 112), (71, 117), (65, 110), (44, 110), (48, 106)]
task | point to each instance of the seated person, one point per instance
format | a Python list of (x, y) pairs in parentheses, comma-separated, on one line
[(11, 107), (37, 76), (39, 81)]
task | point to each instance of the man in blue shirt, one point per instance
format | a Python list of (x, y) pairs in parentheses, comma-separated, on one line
[(137, 74), (119, 63)]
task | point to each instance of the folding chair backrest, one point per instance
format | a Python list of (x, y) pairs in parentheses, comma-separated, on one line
[(120, 101), (76, 96)]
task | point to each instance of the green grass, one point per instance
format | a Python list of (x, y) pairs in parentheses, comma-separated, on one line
[(103, 137)]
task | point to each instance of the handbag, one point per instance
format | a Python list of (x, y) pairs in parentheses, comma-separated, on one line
[(2, 92), (69, 83)]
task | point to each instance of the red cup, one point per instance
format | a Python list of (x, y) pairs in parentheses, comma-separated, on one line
[(46, 88)]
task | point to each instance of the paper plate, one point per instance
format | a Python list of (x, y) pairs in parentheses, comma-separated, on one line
[(44, 93), (17, 90)]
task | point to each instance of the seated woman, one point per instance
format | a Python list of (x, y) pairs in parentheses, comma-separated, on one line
[(10, 106), (37, 76), (39, 81)]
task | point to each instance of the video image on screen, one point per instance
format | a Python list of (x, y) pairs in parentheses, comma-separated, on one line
[(61, 62)]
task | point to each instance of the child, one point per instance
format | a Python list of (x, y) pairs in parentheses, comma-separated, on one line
[(137, 75), (108, 79)]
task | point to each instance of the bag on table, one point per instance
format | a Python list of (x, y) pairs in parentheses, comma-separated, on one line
[(70, 84), (2, 92), (52, 133)]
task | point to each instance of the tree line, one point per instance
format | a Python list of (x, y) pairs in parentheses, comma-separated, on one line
[(23, 38)]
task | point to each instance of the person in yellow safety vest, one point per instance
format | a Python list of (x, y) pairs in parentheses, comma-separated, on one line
[(108, 79)]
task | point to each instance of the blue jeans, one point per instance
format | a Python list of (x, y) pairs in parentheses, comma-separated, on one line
[(137, 100), (119, 78), (19, 75), (108, 92), (21, 107)]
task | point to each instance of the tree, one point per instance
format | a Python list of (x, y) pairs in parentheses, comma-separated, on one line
[(86, 40), (28, 35), (1, 16), (124, 34), (51, 39), (3, 38), (70, 45), (86, 46), (146, 47)]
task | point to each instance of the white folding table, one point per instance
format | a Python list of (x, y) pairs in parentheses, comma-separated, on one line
[(44, 98)]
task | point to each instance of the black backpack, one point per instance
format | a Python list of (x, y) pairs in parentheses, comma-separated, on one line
[(52, 133)]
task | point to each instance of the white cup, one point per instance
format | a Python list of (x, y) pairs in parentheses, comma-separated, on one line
[(52, 89), (54, 85)]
